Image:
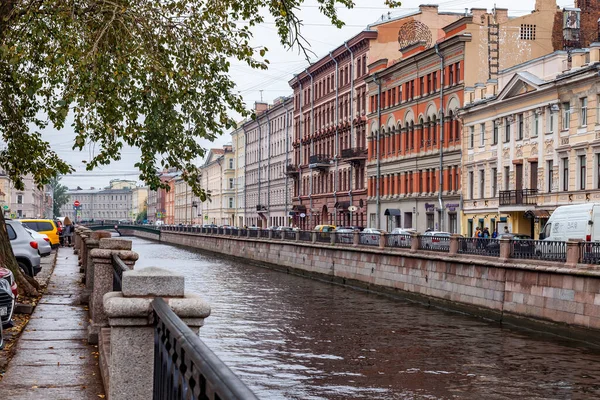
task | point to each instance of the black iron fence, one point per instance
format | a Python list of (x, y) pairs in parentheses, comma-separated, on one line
[(479, 246), (184, 367), (549, 250), (518, 197), (398, 240), (118, 268), (434, 243), (589, 252)]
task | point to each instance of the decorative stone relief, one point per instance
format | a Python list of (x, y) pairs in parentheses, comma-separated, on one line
[(564, 141), (506, 153), (549, 144), (519, 151), (534, 150)]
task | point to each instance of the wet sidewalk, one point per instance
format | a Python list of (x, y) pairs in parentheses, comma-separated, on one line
[(52, 359)]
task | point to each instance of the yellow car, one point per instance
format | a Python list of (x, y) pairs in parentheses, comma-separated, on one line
[(324, 228), (46, 226)]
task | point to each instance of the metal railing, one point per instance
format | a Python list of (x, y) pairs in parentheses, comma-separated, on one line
[(549, 250), (289, 235), (590, 252), (264, 233), (118, 268), (253, 233), (434, 243), (276, 234), (305, 236), (319, 159), (369, 239), (479, 246), (355, 152), (398, 240), (517, 197), (344, 238), (323, 237), (184, 367)]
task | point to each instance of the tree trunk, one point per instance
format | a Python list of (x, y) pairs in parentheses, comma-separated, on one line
[(27, 285)]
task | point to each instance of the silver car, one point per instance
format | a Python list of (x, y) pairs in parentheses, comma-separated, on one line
[(24, 246), (43, 241)]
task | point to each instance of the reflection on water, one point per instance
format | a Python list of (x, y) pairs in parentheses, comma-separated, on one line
[(293, 338)]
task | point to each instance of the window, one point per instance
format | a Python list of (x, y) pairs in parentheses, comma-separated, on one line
[(566, 115), (520, 127), (527, 32), (495, 136), (471, 184), (583, 114), (11, 232), (434, 82), (506, 130), (598, 109), (450, 75), (19, 199), (481, 183), (231, 163), (550, 175), (536, 124), (231, 184), (481, 134), (471, 136), (457, 74), (231, 202), (582, 172), (565, 166), (551, 122), (494, 182), (421, 86), (506, 178)]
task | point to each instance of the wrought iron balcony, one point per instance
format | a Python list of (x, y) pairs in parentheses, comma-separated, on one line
[(355, 154), (319, 161), (261, 208), (291, 170), (518, 197)]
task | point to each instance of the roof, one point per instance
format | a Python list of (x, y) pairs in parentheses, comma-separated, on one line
[(218, 151)]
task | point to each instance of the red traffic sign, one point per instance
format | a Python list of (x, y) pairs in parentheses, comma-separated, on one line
[(76, 203)]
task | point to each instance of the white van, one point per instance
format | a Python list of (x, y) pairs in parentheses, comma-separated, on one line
[(580, 221)]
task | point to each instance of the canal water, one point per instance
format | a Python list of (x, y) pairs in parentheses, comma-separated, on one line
[(289, 337)]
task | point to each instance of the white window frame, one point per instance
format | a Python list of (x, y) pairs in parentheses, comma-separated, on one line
[(566, 115), (482, 134), (471, 136), (583, 115)]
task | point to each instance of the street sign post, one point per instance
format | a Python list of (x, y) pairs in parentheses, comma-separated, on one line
[(76, 203)]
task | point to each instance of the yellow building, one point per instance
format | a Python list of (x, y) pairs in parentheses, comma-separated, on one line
[(139, 198), (218, 179), (531, 142), (238, 143), (5, 188)]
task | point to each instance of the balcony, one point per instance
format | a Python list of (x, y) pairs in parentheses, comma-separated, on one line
[(291, 170), (261, 208), (517, 199), (319, 161), (354, 155)]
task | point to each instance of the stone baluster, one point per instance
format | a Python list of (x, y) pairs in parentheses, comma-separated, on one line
[(356, 237), (574, 252), (129, 373), (414, 242), (454, 244), (103, 279), (313, 236), (505, 249), (92, 242), (382, 240)]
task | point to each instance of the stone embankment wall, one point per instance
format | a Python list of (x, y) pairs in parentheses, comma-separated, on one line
[(524, 293)]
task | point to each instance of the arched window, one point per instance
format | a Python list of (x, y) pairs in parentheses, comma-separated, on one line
[(450, 126)]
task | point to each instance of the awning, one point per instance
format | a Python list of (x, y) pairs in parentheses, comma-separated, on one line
[(299, 208), (392, 211), (342, 205), (531, 214)]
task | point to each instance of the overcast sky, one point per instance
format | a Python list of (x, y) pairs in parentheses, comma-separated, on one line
[(268, 85)]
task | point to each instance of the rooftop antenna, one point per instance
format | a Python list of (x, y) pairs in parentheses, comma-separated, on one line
[(261, 98)]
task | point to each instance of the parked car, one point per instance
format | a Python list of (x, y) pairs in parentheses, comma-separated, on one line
[(8, 296), (521, 243), (436, 240), (370, 236), (46, 226), (24, 246), (345, 234), (402, 231), (43, 241), (285, 228), (324, 228)]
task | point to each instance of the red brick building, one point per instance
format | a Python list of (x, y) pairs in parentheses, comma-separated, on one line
[(330, 123)]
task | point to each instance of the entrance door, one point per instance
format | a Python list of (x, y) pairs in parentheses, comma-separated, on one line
[(430, 221), (519, 177)]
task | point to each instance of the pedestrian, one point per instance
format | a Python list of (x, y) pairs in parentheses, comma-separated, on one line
[(68, 232), (476, 234), (486, 232), (495, 233)]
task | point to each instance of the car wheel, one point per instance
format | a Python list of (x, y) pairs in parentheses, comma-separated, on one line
[(25, 268)]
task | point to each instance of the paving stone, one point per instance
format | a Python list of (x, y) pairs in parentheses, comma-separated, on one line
[(54, 344), (54, 357), (60, 393), (56, 324), (69, 299)]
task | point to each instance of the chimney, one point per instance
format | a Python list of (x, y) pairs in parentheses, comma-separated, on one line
[(491, 87), (501, 15), (478, 15), (594, 52), (577, 60), (478, 90), (469, 95), (428, 8), (260, 107)]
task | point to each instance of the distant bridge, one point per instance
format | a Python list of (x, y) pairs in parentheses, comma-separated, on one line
[(113, 226)]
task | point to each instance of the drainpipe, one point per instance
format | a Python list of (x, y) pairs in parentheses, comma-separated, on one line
[(287, 153), (378, 83), (441, 180), (259, 157), (337, 138), (312, 143), (268, 169), (351, 120)]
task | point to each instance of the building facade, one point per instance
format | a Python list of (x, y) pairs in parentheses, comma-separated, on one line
[(139, 201), (540, 147), (218, 174), (238, 145), (268, 140), (409, 143), (99, 204)]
